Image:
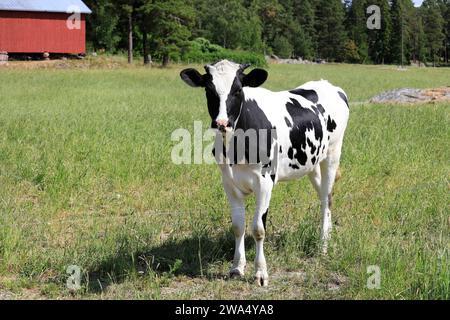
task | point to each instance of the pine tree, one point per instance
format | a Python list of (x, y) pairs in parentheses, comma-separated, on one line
[(379, 39), (271, 13), (447, 31), (396, 41), (232, 24), (330, 29), (103, 25), (434, 26), (401, 38), (357, 28), (169, 25), (419, 39), (304, 14)]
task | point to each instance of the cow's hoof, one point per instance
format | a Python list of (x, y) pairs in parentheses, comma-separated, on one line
[(324, 249), (236, 273), (262, 279)]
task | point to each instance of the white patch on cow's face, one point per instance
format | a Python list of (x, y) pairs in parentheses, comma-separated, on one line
[(223, 74)]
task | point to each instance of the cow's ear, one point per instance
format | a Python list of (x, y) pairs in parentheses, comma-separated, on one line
[(193, 78), (255, 78)]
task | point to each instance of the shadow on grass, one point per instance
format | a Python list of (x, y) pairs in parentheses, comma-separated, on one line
[(194, 256), (201, 254)]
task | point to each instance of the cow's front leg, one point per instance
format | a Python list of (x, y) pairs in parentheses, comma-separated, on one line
[(237, 204), (263, 194)]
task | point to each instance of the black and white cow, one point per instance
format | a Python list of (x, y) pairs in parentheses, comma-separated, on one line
[(305, 129)]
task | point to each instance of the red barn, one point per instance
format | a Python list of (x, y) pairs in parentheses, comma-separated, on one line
[(38, 26)]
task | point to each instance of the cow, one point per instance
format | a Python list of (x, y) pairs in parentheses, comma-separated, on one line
[(304, 135)]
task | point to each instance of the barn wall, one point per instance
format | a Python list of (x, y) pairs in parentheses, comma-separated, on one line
[(35, 32)]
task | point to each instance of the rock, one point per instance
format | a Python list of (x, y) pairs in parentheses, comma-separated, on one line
[(274, 57), (410, 95), (3, 56)]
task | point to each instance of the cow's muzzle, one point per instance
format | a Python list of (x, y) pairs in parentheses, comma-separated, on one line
[(222, 125)]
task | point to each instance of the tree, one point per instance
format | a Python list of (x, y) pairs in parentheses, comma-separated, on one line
[(271, 15), (233, 24), (128, 9), (401, 44), (433, 28), (351, 52), (306, 41), (379, 39), (445, 9), (103, 25), (357, 27), (330, 29), (282, 47), (419, 39), (446, 16), (169, 23)]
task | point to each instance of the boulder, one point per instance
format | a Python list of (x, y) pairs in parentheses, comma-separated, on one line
[(411, 95)]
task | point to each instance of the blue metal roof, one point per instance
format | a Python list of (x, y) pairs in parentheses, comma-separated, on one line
[(64, 6)]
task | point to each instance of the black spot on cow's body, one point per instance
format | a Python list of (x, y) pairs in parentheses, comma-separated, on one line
[(253, 118), (344, 97), (316, 111), (304, 120), (294, 166), (331, 124), (321, 109), (311, 146), (313, 160), (281, 149), (273, 176), (291, 153), (310, 95), (288, 123)]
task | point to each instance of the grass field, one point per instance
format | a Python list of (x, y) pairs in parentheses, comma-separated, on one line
[(86, 179)]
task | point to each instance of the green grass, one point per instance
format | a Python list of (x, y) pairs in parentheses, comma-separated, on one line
[(86, 179)]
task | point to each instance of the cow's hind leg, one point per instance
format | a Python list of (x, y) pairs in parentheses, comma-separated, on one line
[(263, 194), (328, 168), (237, 203)]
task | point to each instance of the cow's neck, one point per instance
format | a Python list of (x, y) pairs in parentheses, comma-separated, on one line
[(252, 117)]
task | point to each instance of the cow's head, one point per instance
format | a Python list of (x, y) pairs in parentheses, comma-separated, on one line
[(223, 83)]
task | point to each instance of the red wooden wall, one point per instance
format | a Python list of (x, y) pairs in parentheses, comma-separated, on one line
[(36, 32)]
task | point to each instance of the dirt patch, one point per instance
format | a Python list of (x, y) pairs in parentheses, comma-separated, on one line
[(6, 295), (413, 96)]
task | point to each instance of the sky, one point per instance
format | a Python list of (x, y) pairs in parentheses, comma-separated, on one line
[(418, 2)]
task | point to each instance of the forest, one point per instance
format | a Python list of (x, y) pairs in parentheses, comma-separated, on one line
[(167, 31)]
